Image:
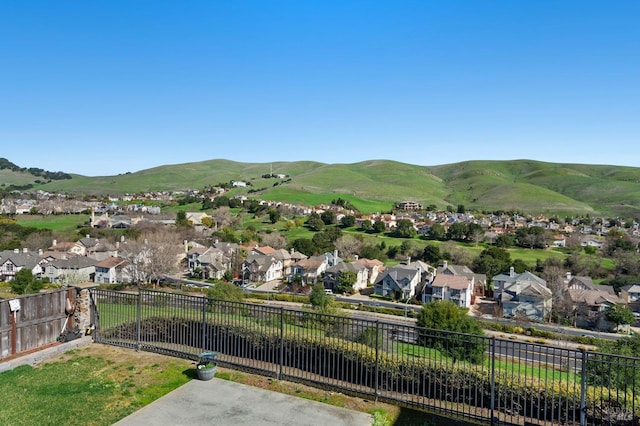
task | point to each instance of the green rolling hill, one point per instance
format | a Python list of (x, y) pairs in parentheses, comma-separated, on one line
[(524, 185)]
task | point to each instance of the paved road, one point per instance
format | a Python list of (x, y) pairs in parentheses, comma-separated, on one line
[(220, 402)]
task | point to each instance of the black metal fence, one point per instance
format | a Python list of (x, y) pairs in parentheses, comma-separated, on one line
[(490, 380)]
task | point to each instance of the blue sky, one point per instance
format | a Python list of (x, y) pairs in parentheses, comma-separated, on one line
[(102, 88)]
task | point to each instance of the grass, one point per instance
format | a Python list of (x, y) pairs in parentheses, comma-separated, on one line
[(102, 384), (99, 384), (66, 224), (373, 186), (383, 414)]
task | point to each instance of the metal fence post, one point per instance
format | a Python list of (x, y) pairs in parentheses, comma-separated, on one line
[(493, 379), (583, 389), (203, 335), (281, 361), (376, 379), (139, 320)]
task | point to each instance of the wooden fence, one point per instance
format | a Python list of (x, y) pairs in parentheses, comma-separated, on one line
[(39, 321)]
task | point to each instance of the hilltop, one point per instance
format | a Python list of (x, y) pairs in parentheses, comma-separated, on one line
[(375, 185)]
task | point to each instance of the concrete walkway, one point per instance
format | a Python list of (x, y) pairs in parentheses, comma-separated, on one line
[(221, 402)]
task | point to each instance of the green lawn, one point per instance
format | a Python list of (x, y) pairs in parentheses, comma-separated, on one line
[(66, 224), (96, 385)]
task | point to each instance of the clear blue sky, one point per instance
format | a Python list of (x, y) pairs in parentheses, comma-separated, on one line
[(108, 87)]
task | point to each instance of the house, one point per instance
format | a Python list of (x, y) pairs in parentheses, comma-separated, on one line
[(332, 276), (309, 270), (630, 293), (288, 258), (262, 268), (456, 288), (374, 267), (478, 281), (398, 282), (523, 295), (213, 264), (74, 270), (70, 247), (112, 270), (590, 304), (12, 261)]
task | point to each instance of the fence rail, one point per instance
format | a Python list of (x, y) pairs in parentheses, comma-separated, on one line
[(490, 380)]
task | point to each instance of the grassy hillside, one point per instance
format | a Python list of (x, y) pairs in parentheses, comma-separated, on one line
[(524, 185)]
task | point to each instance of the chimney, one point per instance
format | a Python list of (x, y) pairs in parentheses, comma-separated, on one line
[(569, 276), (512, 272), (122, 238), (445, 264), (25, 250), (88, 236), (39, 252), (16, 250), (54, 243)]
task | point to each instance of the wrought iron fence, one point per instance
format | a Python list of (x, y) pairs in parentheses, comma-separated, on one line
[(490, 380)]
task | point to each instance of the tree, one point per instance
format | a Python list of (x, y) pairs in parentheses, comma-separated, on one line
[(304, 246), (619, 315), (366, 225), (458, 231), (436, 232), (181, 220), (405, 229), (225, 291), (274, 216), (492, 261), (24, 282), (348, 221), (321, 301), (378, 227), (328, 217), (445, 317), (348, 246), (314, 222), (346, 280), (431, 254)]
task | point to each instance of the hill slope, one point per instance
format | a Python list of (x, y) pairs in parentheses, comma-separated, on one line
[(524, 185)]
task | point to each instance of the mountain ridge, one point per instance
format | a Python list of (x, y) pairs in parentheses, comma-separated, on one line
[(523, 185)]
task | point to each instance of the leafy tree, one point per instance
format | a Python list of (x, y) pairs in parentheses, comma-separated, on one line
[(181, 220), (461, 209), (404, 229), (328, 217), (492, 261), (619, 315), (304, 246), (24, 282), (373, 252), (458, 231), (314, 222), (274, 216), (504, 241), (207, 204), (225, 291), (322, 242), (346, 280), (436, 232), (348, 221), (445, 317), (431, 254), (519, 266), (379, 227), (321, 301), (366, 225)]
